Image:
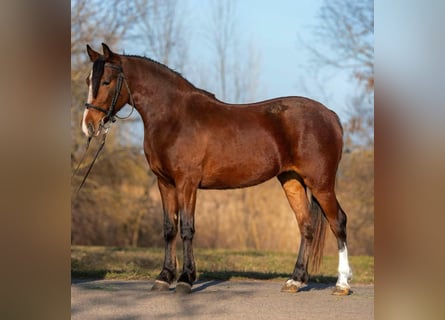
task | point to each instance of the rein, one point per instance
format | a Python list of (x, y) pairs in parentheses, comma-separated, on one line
[(109, 115)]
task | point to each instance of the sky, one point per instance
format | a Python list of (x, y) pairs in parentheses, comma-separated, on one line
[(278, 31)]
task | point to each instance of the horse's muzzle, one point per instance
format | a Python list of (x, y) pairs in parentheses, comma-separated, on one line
[(90, 128)]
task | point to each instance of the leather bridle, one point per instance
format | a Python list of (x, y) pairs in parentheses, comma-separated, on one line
[(110, 113)]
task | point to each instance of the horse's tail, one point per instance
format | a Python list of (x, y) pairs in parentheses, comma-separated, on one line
[(319, 223)]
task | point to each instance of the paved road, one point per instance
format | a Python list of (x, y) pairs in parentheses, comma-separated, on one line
[(110, 299)]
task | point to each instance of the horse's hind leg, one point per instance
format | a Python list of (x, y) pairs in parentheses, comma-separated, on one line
[(298, 200), (187, 201), (337, 221), (170, 207)]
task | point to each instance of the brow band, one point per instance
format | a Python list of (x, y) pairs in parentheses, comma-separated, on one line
[(114, 66)]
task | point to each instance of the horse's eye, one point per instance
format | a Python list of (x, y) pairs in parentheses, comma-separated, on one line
[(105, 83)]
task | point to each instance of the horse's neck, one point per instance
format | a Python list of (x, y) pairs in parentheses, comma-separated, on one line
[(152, 90), (158, 91)]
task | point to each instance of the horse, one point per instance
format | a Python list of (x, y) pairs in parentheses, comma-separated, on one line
[(192, 140)]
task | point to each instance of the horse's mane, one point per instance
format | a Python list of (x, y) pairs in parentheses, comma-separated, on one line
[(174, 73)]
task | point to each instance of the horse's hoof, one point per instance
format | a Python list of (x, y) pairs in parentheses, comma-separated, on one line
[(339, 291), (160, 286), (183, 288), (292, 286)]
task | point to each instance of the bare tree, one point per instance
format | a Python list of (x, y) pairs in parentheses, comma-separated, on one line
[(359, 128), (99, 21), (246, 74), (222, 40), (236, 64), (346, 32), (344, 41), (160, 29)]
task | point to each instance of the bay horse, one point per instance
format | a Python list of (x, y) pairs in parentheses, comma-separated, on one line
[(192, 140)]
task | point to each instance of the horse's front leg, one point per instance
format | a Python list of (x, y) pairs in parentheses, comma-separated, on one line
[(187, 200), (170, 206)]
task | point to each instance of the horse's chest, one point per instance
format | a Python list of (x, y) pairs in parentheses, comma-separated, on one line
[(156, 160)]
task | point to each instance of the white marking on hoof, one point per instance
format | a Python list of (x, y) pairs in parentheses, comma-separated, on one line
[(341, 291), (344, 271), (292, 286), (292, 282)]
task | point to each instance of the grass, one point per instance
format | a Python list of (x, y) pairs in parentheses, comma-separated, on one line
[(145, 263)]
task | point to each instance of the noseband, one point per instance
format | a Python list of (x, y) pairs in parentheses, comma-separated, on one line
[(109, 114)]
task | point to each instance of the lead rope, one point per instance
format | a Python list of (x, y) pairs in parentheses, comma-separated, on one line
[(92, 162), (82, 158), (102, 144)]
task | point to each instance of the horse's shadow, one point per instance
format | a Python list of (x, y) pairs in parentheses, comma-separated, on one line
[(227, 275), (204, 284), (210, 278), (313, 286)]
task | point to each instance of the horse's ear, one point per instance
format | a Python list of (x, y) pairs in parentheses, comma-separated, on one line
[(92, 54), (107, 52)]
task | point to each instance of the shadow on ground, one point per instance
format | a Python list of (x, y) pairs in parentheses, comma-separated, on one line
[(228, 275)]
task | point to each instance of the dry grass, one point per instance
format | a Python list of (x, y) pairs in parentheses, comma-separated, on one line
[(146, 263)]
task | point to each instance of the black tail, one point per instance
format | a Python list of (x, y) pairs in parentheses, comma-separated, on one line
[(319, 223)]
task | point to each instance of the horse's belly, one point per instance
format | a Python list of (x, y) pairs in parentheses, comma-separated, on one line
[(229, 174), (244, 155)]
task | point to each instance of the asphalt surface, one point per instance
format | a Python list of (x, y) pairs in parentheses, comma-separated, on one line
[(111, 299)]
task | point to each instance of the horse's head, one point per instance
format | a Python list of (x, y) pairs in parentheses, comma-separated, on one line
[(106, 93)]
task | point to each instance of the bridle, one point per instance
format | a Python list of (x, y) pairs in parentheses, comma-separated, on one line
[(109, 115)]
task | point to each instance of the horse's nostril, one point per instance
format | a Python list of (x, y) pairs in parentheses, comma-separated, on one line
[(90, 128)]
